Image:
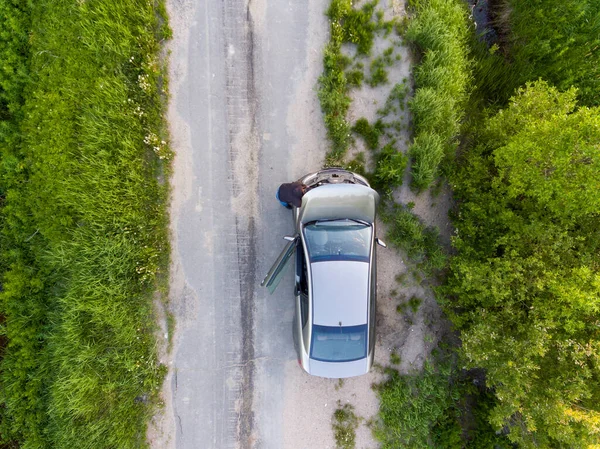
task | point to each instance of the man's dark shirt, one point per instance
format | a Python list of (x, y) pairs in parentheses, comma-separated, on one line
[(291, 193)]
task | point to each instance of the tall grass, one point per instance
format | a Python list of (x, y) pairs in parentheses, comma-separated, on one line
[(439, 31), (440, 407), (556, 40), (84, 226), (410, 407), (420, 242)]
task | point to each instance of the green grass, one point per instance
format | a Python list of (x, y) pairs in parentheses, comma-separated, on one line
[(439, 31), (426, 153), (377, 69), (348, 25), (421, 243), (414, 303), (395, 103), (555, 40), (344, 425), (439, 407), (411, 405), (370, 133), (84, 226), (389, 171)]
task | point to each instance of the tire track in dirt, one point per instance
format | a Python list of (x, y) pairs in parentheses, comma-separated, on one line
[(244, 148)]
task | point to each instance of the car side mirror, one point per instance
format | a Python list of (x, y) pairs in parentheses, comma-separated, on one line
[(289, 238), (381, 243)]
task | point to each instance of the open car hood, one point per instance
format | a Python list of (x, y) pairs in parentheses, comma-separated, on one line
[(339, 201)]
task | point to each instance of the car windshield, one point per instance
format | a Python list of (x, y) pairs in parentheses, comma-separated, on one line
[(339, 343), (338, 240)]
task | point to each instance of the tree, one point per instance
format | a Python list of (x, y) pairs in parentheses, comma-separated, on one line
[(525, 287)]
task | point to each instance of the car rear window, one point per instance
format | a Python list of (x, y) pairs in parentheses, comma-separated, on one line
[(339, 343)]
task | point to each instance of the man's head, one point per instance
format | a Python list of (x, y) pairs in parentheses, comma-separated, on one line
[(300, 190)]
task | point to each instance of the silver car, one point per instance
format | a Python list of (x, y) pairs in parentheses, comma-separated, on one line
[(335, 279)]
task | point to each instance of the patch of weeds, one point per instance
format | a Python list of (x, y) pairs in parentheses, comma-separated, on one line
[(355, 78), (170, 329), (391, 164), (417, 276), (370, 133), (420, 242), (401, 25), (377, 368), (436, 189), (334, 159), (356, 24), (439, 407), (394, 292), (393, 129), (334, 99), (339, 384), (414, 303), (428, 338), (344, 426), (410, 405), (401, 278), (396, 100), (401, 308), (378, 73), (344, 61), (357, 165), (395, 358), (347, 25)]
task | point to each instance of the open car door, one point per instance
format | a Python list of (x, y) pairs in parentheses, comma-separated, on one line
[(273, 277)]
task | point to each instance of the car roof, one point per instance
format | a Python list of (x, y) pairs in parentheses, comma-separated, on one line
[(339, 201), (340, 292)]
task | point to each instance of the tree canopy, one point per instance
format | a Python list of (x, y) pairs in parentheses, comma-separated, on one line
[(524, 288)]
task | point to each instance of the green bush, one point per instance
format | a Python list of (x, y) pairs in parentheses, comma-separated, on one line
[(421, 243), (391, 164), (410, 406), (438, 407)]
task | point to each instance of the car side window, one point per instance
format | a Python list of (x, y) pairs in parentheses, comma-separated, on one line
[(302, 268), (304, 308)]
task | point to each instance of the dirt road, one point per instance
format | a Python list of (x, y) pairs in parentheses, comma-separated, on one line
[(244, 117)]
